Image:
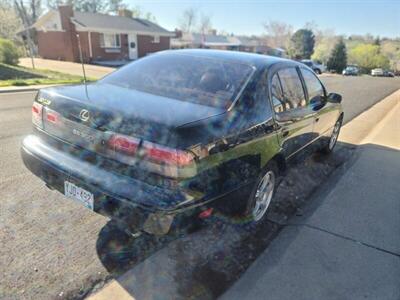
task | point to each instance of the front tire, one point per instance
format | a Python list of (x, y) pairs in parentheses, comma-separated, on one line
[(331, 143)]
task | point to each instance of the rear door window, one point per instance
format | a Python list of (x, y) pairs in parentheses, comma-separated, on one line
[(315, 89), (292, 88)]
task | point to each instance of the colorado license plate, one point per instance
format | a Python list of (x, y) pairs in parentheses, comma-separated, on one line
[(78, 194)]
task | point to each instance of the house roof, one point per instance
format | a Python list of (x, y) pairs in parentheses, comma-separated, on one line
[(107, 23), (116, 23), (214, 40), (204, 39)]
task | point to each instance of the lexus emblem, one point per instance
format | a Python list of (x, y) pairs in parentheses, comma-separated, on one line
[(84, 115)]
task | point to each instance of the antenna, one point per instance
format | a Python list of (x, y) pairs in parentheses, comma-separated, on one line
[(81, 58), (83, 65)]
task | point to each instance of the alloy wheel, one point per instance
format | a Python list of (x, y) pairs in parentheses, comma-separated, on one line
[(263, 195), (335, 135)]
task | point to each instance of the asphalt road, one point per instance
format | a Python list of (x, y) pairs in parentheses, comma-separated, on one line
[(49, 243)]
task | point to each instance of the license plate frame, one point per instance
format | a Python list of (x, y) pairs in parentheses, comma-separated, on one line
[(79, 194)]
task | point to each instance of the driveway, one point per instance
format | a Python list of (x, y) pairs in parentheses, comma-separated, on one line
[(72, 68), (49, 243)]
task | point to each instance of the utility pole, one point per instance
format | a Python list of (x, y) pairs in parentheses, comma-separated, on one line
[(27, 30), (30, 47)]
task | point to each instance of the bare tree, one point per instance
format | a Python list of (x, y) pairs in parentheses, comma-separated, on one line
[(205, 24), (278, 34), (10, 24), (188, 20), (28, 11)]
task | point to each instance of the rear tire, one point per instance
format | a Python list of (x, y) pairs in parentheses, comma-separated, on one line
[(318, 71), (262, 195)]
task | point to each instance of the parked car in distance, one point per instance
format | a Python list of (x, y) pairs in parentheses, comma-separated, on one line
[(387, 73), (165, 140), (381, 72), (351, 71), (315, 66), (377, 72)]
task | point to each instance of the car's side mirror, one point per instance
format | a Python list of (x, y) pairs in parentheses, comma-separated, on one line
[(334, 98)]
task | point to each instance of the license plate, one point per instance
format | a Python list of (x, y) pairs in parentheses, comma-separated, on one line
[(78, 194)]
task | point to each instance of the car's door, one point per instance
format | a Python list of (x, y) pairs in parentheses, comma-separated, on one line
[(325, 114), (293, 115)]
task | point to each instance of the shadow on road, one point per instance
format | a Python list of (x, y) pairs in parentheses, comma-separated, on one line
[(202, 264)]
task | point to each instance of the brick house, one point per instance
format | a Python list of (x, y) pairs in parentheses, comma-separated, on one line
[(102, 37)]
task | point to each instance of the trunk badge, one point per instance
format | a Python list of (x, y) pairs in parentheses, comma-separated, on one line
[(84, 115)]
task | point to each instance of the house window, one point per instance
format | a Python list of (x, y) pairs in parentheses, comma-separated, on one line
[(156, 39), (108, 40)]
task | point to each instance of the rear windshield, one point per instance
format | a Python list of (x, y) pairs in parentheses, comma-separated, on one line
[(184, 77)]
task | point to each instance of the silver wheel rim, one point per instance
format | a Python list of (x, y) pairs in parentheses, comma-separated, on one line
[(334, 135), (263, 195)]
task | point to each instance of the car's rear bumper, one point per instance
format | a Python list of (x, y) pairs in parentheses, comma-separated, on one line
[(142, 206)]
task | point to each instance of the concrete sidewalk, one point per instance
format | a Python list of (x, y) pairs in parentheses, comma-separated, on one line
[(347, 244), (66, 67)]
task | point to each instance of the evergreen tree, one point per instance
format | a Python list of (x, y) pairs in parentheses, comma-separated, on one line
[(302, 44), (338, 58)]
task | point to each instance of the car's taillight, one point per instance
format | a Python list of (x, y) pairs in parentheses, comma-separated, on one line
[(155, 158), (37, 114), (164, 155), (53, 116), (123, 144)]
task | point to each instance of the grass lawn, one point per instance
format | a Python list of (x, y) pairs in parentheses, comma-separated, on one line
[(20, 76)]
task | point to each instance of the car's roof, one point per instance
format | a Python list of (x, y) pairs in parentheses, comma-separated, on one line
[(254, 59)]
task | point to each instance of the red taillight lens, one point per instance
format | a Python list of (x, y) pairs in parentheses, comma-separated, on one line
[(165, 155), (52, 116), (37, 113), (124, 144), (162, 160)]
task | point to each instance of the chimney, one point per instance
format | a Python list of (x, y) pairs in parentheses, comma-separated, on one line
[(66, 13), (123, 12), (178, 33)]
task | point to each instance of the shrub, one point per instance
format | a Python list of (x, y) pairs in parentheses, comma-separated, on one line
[(19, 83), (368, 57), (9, 53)]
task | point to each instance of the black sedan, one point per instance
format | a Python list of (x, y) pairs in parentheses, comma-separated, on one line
[(168, 139)]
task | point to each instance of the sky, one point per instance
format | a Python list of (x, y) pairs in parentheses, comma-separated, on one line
[(247, 17)]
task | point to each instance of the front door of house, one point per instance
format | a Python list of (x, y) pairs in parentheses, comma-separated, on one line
[(132, 44)]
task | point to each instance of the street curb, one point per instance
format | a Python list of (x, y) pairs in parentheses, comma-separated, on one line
[(17, 91), (358, 129), (29, 88)]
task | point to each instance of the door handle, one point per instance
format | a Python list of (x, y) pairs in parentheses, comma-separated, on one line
[(285, 133), (316, 120)]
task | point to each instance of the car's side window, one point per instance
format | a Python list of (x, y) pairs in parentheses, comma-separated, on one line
[(253, 104), (292, 88), (261, 105), (278, 101), (315, 89)]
